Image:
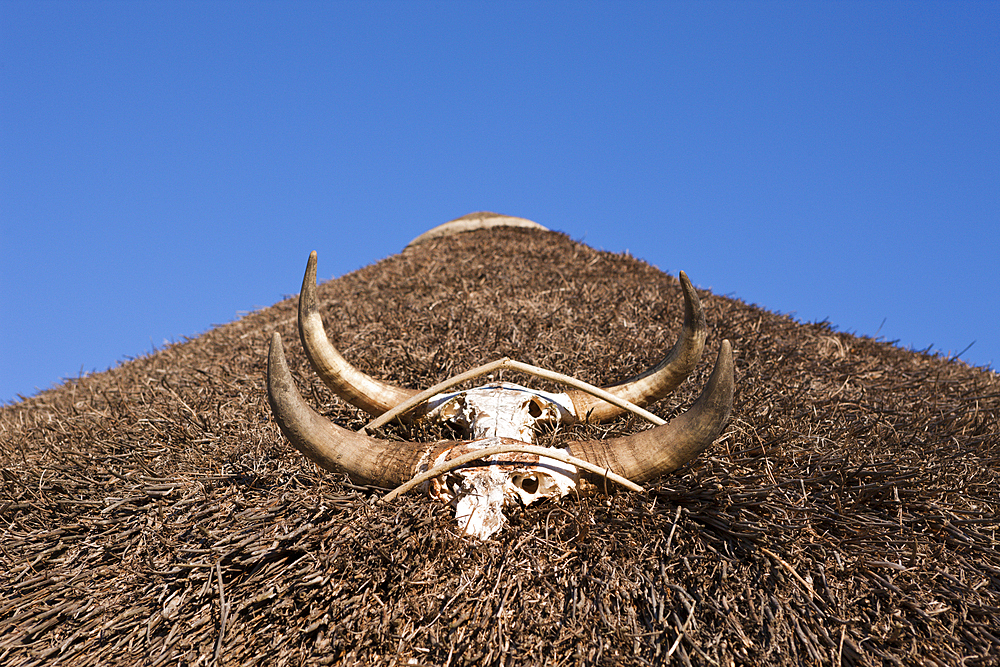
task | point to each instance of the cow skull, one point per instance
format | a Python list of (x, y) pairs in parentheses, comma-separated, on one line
[(489, 415), (498, 413)]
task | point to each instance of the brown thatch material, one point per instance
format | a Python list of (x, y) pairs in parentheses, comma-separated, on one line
[(152, 514)]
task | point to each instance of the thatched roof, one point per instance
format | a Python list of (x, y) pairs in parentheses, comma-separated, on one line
[(153, 514)]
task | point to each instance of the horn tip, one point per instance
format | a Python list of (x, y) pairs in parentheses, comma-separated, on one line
[(276, 363), (726, 354), (724, 374), (311, 266), (307, 295), (275, 346)]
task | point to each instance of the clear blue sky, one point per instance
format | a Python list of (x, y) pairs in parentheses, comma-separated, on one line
[(167, 166)]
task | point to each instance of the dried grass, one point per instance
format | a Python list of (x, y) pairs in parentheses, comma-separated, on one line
[(153, 514)]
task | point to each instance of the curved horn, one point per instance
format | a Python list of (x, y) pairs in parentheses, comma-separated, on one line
[(360, 390), (367, 460), (661, 379), (662, 449)]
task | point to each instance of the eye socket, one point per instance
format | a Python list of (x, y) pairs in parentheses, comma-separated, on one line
[(534, 409), (529, 484), (452, 408)]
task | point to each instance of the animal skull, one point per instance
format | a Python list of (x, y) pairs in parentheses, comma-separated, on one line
[(479, 493), (498, 413), (501, 410), (488, 415)]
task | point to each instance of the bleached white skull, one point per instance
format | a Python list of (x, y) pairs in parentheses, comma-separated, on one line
[(499, 413), (501, 410), (489, 415)]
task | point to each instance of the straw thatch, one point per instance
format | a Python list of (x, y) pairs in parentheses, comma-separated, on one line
[(153, 514)]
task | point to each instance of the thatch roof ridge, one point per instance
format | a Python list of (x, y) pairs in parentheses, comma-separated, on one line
[(472, 222), (153, 513)]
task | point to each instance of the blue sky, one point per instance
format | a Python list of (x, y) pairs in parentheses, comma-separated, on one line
[(168, 166)]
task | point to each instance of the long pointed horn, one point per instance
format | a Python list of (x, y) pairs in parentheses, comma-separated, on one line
[(661, 379), (366, 460), (357, 388), (662, 449)]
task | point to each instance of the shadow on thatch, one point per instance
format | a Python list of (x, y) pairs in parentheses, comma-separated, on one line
[(154, 515)]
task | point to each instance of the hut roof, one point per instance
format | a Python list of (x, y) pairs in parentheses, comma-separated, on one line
[(153, 514)]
